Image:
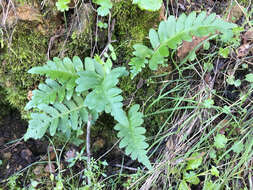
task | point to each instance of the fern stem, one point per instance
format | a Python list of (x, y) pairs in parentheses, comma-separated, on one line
[(88, 145)]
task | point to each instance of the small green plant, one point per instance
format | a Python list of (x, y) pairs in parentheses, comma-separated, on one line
[(150, 5), (105, 6), (171, 33), (62, 5), (75, 94)]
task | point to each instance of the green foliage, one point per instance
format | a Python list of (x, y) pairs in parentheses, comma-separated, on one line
[(62, 5), (74, 93), (132, 136), (249, 77), (195, 162), (191, 177), (171, 33), (150, 5), (66, 116), (220, 141), (105, 6)]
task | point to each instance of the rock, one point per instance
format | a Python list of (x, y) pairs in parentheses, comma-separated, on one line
[(84, 19), (23, 12)]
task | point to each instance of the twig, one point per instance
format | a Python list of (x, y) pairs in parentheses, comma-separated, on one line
[(88, 144), (125, 167)]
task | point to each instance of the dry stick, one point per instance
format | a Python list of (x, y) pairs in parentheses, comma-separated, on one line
[(88, 145)]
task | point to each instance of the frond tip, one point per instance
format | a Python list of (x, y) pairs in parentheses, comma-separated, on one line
[(173, 32), (132, 134)]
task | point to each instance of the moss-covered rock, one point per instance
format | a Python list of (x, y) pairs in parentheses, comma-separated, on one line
[(131, 26), (27, 48)]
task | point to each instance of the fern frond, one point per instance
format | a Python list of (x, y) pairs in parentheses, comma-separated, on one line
[(132, 136), (47, 93), (64, 71), (66, 116), (171, 33), (102, 81)]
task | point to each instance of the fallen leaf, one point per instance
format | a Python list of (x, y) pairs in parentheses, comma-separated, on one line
[(26, 154), (7, 155), (248, 36), (29, 95), (99, 143), (50, 168), (234, 13), (70, 154), (24, 12), (187, 47), (38, 170), (244, 50), (52, 154)]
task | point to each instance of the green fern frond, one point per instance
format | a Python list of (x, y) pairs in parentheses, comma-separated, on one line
[(64, 71), (132, 134), (47, 93), (66, 116), (171, 33), (102, 81)]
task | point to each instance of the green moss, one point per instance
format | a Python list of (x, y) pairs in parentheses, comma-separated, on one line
[(79, 45), (131, 26), (27, 49)]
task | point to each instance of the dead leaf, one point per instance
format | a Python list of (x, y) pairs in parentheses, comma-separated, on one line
[(26, 154), (234, 13), (187, 47), (70, 154), (29, 95), (50, 168), (99, 143), (7, 155), (248, 36), (162, 13), (24, 12), (244, 50), (52, 154), (38, 170)]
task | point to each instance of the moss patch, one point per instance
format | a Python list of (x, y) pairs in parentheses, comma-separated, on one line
[(131, 26), (27, 49)]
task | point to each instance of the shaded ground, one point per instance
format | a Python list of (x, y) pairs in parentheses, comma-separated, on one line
[(15, 153)]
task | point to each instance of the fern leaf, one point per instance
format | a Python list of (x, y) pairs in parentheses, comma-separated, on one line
[(47, 93), (132, 134), (64, 71), (104, 94), (66, 116), (173, 32)]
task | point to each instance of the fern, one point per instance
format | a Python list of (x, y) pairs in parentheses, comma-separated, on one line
[(104, 94), (171, 33), (132, 136), (47, 93), (64, 71), (93, 91), (66, 116)]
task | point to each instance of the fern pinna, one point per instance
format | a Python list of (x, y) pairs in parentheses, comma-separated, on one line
[(171, 33), (73, 91)]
